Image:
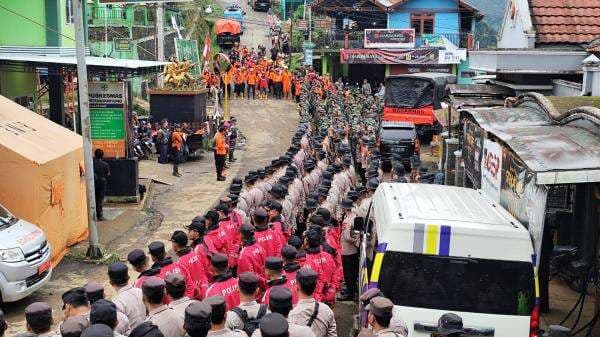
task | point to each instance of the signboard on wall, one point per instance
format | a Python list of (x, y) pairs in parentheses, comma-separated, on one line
[(378, 56), (390, 38), (452, 56), (122, 45), (472, 151), (491, 165), (323, 23), (107, 117), (188, 50)]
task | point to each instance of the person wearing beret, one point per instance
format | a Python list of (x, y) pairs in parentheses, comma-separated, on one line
[(191, 262), (232, 234), (175, 287), (248, 286), (95, 292), (38, 316), (323, 324), (75, 303), (105, 312), (139, 261), (276, 222), (223, 282), (380, 315), (74, 326), (146, 329), (280, 302), (252, 256), (215, 238), (218, 317), (128, 298), (265, 236), (98, 330), (275, 277), (291, 265), (166, 319), (167, 265), (195, 232)]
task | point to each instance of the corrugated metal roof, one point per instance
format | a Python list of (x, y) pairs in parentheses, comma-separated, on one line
[(542, 144)]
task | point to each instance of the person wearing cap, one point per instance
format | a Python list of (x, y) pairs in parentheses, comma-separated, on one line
[(398, 173), (349, 244), (223, 282), (95, 292), (275, 277), (128, 298), (252, 256), (38, 316), (75, 303), (290, 263), (98, 330), (264, 235), (196, 321), (298, 243), (232, 234), (218, 318), (283, 230), (166, 319), (238, 216), (280, 303), (249, 308), (191, 262), (324, 264), (167, 265), (146, 329), (450, 325), (196, 231), (363, 303), (380, 314), (74, 326), (323, 324), (310, 207), (215, 237), (175, 286), (139, 261), (105, 312)]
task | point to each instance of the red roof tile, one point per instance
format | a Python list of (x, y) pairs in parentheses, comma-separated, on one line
[(565, 21), (595, 49)]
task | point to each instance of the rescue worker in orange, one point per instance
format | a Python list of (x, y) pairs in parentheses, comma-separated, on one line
[(297, 90), (286, 80), (240, 82), (221, 148), (277, 83), (177, 148), (252, 81)]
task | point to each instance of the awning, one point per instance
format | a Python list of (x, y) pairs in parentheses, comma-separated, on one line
[(557, 153), (95, 64)]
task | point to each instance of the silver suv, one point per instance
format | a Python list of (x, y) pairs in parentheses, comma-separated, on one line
[(24, 257)]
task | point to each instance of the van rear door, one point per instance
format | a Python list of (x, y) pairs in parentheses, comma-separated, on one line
[(493, 294)]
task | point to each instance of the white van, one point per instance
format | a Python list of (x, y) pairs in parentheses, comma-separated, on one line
[(440, 249)]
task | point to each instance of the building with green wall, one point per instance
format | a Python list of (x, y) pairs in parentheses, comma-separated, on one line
[(31, 23)]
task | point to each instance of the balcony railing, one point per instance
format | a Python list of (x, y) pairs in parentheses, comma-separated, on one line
[(335, 40), (109, 15)]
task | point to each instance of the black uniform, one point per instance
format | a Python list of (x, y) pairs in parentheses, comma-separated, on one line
[(101, 173)]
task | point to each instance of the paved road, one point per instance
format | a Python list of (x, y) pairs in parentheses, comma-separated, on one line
[(255, 23)]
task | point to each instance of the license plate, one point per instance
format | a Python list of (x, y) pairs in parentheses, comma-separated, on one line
[(398, 150), (44, 266)]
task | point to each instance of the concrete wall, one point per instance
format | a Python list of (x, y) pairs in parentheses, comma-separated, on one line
[(565, 88), (18, 31)]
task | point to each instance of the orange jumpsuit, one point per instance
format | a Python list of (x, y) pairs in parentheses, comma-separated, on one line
[(286, 79)]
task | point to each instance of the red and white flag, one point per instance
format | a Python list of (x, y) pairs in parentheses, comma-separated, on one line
[(206, 51)]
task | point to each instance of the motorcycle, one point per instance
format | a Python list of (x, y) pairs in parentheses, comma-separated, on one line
[(566, 264)]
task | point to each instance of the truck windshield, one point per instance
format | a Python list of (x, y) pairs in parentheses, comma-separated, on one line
[(397, 134), (455, 284), (407, 92)]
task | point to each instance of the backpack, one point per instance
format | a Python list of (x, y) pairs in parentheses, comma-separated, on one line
[(250, 324)]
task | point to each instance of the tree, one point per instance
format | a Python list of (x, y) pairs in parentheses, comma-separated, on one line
[(485, 35)]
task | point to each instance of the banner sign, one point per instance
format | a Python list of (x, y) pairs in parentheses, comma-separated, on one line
[(188, 50), (123, 45), (452, 56), (390, 38), (432, 41), (107, 117), (522, 197), (378, 56), (472, 151), (301, 24), (491, 164), (324, 23)]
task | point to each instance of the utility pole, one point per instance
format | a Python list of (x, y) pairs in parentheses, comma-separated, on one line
[(160, 40), (310, 24), (86, 132), (291, 35)]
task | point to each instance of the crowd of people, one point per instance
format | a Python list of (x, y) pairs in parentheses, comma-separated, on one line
[(271, 258)]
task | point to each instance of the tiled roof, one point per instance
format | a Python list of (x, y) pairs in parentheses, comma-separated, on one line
[(595, 49), (565, 21)]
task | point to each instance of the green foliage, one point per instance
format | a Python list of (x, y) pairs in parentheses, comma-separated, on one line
[(296, 62), (485, 34), (298, 13)]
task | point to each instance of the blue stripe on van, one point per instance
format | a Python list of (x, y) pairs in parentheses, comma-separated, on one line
[(445, 233)]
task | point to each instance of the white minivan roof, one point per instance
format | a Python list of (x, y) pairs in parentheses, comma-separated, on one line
[(447, 221)]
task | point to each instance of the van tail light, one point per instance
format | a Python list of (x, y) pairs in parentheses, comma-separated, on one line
[(534, 321), (417, 147)]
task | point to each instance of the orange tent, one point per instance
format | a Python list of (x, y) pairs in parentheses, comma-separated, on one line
[(228, 26), (41, 177)]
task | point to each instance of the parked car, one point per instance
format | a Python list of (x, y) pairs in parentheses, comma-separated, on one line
[(398, 138), (260, 5), (439, 249), (25, 254)]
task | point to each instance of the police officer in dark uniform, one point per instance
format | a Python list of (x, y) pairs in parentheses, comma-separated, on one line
[(146, 329), (105, 312), (98, 330), (274, 325), (101, 174), (74, 326)]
